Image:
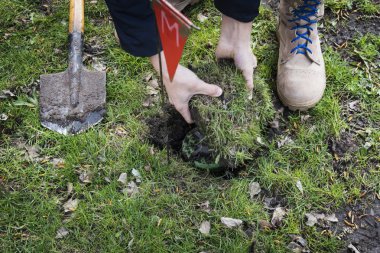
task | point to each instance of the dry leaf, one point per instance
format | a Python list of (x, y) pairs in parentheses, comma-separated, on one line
[(271, 203), (137, 175), (332, 218), (230, 222), (33, 152), (154, 84), (205, 206), (71, 205), (58, 163), (298, 244), (294, 247), (254, 189), (285, 141), (99, 66), (3, 117), (265, 225), (85, 177), (61, 233), (201, 18), (148, 76), (6, 94), (353, 249), (120, 131), (319, 216), (69, 188), (311, 219), (147, 102), (123, 178), (147, 168), (131, 190), (260, 141), (205, 227), (278, 214), (151, 91), (354, 105), (275, 124), (299, 186), (304, 118)]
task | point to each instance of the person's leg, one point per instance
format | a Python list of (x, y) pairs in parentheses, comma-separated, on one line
[(241, 10), (301, 79), (135, 26), (235, 37)]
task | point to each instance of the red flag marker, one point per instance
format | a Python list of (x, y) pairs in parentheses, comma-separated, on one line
[(174, 28)]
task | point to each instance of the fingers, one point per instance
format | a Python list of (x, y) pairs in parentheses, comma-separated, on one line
[(185, 112), (204, 88)]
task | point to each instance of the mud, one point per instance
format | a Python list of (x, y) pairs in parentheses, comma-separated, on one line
[(168, 126), (359, 225), (341, 147)]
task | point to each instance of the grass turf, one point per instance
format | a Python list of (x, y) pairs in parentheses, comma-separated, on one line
[(165, 215)]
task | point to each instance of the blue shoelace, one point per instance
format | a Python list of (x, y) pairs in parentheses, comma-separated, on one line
[(304, 12)]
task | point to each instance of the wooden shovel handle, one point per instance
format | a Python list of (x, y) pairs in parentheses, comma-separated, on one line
[(76, 16)]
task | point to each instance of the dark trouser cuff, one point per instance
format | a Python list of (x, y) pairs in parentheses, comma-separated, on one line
[(135, 25), (240, 10)]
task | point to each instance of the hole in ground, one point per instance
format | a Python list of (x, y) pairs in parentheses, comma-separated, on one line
[(171, 123)]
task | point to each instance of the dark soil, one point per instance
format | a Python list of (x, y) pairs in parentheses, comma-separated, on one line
[(341, 147), (168, 126), (359, 225)]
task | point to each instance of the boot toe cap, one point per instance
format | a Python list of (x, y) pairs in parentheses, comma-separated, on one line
[(299, 89)]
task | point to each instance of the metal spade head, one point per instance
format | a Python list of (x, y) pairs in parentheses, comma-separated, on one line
[(56, 110)]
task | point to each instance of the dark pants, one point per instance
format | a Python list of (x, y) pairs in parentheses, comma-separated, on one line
[(135, 22)]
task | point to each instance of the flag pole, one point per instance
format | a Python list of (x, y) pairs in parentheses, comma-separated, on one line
[(163, 94)]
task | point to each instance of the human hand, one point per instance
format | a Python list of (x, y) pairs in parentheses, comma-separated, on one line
[(184, 86), (235, 43)]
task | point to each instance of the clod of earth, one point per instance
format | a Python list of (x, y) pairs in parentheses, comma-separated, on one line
[(228, 126)]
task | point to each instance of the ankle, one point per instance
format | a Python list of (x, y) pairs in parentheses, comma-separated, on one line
[(235, 33)]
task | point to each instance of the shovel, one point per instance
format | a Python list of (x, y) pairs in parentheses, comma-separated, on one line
[(74, 100)]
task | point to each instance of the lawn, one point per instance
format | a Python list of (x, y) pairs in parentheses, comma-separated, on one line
[(111, 189)]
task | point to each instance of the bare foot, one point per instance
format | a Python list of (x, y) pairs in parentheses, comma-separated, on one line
[(235, 43)]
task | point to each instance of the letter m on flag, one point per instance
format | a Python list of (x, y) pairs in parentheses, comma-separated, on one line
[(173, 28)]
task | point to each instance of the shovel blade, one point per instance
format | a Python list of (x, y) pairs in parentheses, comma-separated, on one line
[(56, 111)]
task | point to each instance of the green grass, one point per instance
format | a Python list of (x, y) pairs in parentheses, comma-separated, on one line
[(165, 215)]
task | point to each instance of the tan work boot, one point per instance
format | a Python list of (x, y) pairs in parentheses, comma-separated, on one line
[(301, 77)]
